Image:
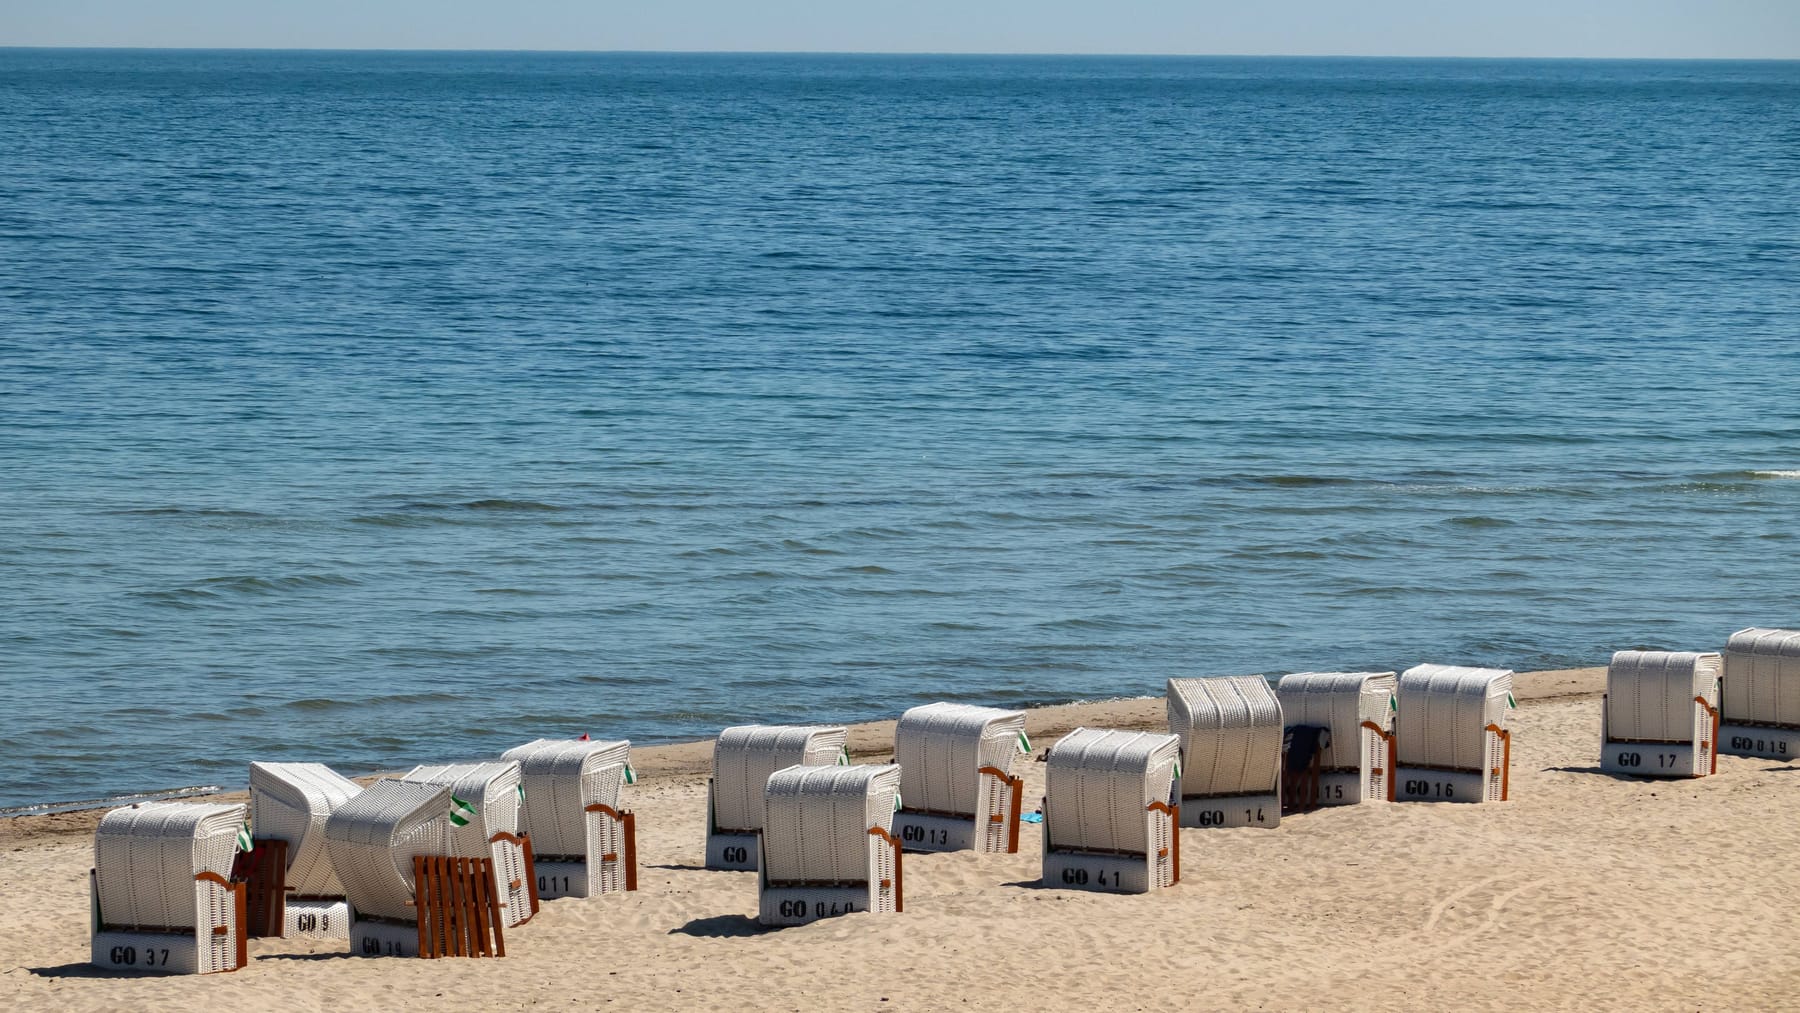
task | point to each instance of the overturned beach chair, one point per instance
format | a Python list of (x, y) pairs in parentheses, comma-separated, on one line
[(827, 845), (1231, 733), (489, 799), (583, 842), (1450, 736), (162, 899), (743, 759), (1109, 823), (956, 778), (294, 884), (409, 896), (1355, 761), (1660, 715), (1760, 708)]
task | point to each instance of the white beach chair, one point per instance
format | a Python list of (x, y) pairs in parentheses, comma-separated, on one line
[(827, 846), (743, 758), (1450, 735), (583, 843), (956, 778), (489, 798), (1108, 820), (1231, 731), (1760, 711), (162, 896), (378, 842), (1660, 716), (290, 802), (1356, 710)]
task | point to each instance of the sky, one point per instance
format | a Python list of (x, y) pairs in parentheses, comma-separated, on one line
[(1703, 29)]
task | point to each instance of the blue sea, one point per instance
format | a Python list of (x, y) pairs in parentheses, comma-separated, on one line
[(374, 408)]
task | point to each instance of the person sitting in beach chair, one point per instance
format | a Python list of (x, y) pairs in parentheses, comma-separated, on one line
[(1231, 732), (956, 778), (743, 758), (1355, 760), (827, 845), (1109, 822), (162, 899), (583, 843)]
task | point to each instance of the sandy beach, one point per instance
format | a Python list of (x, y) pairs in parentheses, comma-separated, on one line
[(1585, 891)]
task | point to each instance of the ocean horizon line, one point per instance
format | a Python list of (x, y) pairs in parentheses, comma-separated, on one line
[(915, 54)]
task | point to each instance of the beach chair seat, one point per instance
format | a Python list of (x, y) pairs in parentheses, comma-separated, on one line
[(743, 758), (289, 806), (1109, 820), (1357, 709), (391, 849), (1759, 710), (161, 895), (1660, 715), (1231, 732), (827, 845), (488, 823), (1451, 741), (583, 842), (956, 779)]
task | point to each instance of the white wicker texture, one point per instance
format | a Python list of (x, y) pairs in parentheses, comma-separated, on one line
[(372, 838), (817, 821), (1097, 785), (1339, 702), (941, 747), (291, 802), (1444, 713), (494, 790), (1230, 728), (1650, 694), (146, 857), (562, 777), (744, 756), (1762, 677)]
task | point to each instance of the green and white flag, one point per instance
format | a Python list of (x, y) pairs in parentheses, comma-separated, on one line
[(630, 775), (1510, 702), (1393, 705), (844, 756), (896, 801), (461, 812), (244, 841), (521, 793), (1024, 744)]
